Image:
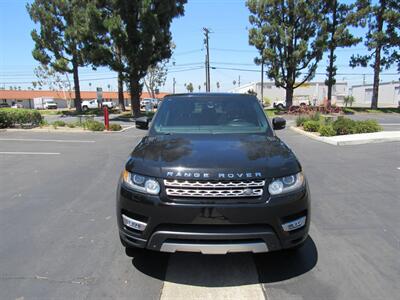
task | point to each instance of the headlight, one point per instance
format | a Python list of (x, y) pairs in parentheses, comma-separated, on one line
[(141, 183), (286, 184)]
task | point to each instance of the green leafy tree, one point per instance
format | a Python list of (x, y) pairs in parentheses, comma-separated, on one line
[(292, 37), (60, 40), (382, 38), (190, 87), (140, 34), (339, 17)]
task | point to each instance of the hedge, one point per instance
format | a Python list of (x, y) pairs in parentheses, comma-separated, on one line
[(10, 117)]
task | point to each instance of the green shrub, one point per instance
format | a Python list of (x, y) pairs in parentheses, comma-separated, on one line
[(344, 126), (367, 126), (301, 119), (93, 125), (315, 117), (71, 125), (59, 123), (115, 127), (326, 130), (311, 125), (9, 117)]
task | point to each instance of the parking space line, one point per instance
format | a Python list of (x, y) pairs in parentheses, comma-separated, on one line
[(31, 153), (40, 140)]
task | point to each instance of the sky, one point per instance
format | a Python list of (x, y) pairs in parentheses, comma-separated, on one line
[(229, 49)]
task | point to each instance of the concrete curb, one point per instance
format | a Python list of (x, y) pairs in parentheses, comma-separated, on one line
[(353, 139), (58, 130)]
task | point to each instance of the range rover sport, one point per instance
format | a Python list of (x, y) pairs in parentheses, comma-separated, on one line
[(212, 177)]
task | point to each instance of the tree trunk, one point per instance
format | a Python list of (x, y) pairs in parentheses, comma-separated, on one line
[(121, 99), (135, 91), (262, 81), (77, 100), (331, 79), (377, 63), (289, 96)]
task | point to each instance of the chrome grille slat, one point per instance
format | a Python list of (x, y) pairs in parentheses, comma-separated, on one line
[(214, 189)]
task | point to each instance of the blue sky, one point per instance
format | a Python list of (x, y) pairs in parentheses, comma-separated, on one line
[(228, 21)]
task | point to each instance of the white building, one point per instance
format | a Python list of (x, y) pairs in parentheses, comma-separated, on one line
[(388, 95), (308, 91)]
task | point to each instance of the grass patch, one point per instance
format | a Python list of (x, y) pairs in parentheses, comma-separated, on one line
[(271, 112)]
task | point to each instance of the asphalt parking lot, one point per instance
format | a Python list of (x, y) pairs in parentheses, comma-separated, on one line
[(59, 239)]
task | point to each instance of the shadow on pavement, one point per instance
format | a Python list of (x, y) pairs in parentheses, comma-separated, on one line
[(283, 265), (225, 270)]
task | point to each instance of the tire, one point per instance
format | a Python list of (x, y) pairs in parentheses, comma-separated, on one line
[(280, 107), (85, 108)]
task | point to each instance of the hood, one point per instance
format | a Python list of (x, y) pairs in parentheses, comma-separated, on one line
[(213, 157)]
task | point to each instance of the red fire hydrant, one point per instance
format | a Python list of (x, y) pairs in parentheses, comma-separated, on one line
[(106, 118)]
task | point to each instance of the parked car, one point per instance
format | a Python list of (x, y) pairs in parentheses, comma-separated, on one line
[(4, 105), (93, 104), (281, 104), (212, 177), (149, 101), (17, 105)]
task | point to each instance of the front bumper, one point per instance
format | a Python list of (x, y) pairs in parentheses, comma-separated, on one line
[(213, 228)]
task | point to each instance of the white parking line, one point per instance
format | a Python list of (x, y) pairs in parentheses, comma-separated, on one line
[(31, 153), (55, 141)]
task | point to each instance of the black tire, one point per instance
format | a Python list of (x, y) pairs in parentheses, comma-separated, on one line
[(280, 107), (85, 108)]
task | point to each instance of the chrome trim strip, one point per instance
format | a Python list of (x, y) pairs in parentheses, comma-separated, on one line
[(214, 193), (132, 223), (210, 184), (293, 225), (258, 247)]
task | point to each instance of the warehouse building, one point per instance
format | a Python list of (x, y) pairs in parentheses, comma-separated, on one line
[(312, 92), (388, 96)]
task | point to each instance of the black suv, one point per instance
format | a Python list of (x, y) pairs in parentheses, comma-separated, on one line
[(212, 177)]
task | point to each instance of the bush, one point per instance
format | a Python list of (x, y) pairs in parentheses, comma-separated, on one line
[(311, 125), (93, 125), (59, 123), (367, 126), (315, 117), (9, 117), (344, 126), (326, 130), (71, 125), (300, 120), (115, 127)]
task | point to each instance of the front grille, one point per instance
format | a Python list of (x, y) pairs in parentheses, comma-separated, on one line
[(214, 189)]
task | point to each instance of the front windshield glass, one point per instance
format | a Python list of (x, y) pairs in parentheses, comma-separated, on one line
[(210, 115)]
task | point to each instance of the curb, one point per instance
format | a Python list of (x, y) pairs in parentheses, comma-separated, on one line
[(62, 131), (353, 139)]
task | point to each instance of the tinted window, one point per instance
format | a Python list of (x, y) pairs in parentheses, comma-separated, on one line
[(210, 115)]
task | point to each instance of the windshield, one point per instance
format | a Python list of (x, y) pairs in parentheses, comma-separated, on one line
[(210, 115)]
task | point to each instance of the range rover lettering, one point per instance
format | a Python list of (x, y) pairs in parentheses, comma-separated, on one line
[(212, 177)]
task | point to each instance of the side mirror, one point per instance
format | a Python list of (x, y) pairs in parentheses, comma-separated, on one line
[(278, 123), (143, 122)]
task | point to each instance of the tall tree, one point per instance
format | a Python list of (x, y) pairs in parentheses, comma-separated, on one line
[(294, 32), (141, 31), (190, 87), (339, 17), (155, 77), (382, 38), (60, 40)]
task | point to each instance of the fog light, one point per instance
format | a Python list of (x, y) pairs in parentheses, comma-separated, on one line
[(134, 224), (295, 224)]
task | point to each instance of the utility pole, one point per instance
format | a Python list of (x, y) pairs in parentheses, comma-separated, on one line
[(363, 79), (239, 81), (173, 85), (207, 63)]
